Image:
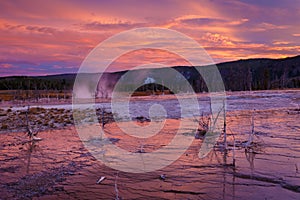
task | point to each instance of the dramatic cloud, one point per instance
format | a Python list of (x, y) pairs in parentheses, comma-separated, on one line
[(40, 37)]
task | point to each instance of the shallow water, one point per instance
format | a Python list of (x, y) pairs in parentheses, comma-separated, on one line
[(59, 166), (245, 100)]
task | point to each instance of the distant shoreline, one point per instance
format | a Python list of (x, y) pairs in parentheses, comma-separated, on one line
[(53, 101)]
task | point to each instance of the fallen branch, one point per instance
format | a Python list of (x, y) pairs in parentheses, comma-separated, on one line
[(116, 188)]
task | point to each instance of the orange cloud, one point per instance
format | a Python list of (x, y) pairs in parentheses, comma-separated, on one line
[(6, 66)]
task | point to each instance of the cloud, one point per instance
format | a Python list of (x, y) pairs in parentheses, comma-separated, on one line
[(6, 65), (268, 26), (118, 25), (50, 37), (281, 42), (211, 21), (44, 30), (202, 21), (217, 39)]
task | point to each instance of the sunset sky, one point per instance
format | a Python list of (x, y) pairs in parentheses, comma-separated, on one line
[(53, 37)]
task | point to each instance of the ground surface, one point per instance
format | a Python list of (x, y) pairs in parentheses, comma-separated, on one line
[(60, 166)]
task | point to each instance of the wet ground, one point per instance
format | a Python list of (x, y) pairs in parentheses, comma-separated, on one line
[(59, 166)]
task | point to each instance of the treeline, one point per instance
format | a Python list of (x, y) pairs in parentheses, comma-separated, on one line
[(261, 74), (244, 75), (251, 74), (37, 83), (23, 88)]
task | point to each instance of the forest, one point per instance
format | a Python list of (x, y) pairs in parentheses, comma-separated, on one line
[(241, 75)]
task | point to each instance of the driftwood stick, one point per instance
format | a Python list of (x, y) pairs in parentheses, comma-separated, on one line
[(225, 134), (116, 187), (233, 153)]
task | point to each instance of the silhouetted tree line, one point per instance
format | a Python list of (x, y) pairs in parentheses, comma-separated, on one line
[(261, 74), (34, 83), (252, 74), (243, 75)]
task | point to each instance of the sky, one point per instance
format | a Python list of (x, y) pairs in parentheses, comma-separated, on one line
[(53, 37)]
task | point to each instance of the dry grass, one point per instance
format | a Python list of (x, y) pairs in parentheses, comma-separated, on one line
[(204, 125), (4, 127), (10, 95)]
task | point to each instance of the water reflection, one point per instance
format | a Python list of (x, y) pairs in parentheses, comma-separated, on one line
[(250, 156), (272, 172), (30, 147)]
